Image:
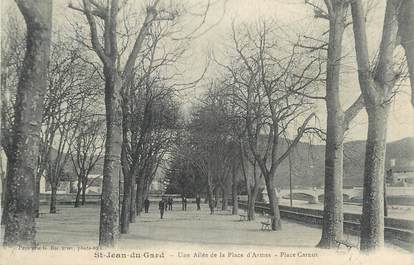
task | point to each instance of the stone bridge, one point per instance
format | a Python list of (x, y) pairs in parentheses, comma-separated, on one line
[(316, 195)]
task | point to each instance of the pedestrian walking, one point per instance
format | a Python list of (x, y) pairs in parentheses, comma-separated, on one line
[(170, 203), (211, 204), (161, 207), (198, 201), (184, 203), (146, 204)]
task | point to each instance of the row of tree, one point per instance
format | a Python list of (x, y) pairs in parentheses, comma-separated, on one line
[(53, 90), (262, 104), (378, 81), (70, 122), (244, 125)]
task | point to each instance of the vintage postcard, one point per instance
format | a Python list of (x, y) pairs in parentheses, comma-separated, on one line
[(207, 132)]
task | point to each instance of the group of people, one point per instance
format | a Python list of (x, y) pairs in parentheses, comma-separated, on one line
[(184, 202), (166, 203)]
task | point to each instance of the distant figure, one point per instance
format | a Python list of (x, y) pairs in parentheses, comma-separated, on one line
[(211, 205), (161, 206), (146, 205), (170, 203), (198, 201), (184, 202)]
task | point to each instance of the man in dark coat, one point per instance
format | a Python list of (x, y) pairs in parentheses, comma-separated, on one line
[(170, 203), (184, 203), (161, 207), (211, 205), (146, 205), (198, 201)]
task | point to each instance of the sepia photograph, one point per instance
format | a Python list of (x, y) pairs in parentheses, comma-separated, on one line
[(207, 132)]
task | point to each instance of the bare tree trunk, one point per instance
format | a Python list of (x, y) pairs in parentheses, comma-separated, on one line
[(372, 219), (3, 201), (251, 191), (78, 193), (53, 195), (332, 227), (140, 195), (337, 124), (224, 199), (216, 196), (132, 208), (20, 222), (3, 183), (210, 199), (273, 203), (249, 199), (37, 195), (377, 89), (126, 204), (84, 187), (385, 200), (234, 191), (250, 207), (251, 202), (4, 195), (109, 224)]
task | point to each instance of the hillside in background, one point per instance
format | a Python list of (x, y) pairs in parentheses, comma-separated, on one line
[(308, 162)]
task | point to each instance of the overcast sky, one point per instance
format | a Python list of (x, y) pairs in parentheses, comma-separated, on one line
[(296, 18)]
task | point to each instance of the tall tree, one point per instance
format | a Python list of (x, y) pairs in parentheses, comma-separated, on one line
[(12, 55), (20, 223), (71, 86), (115, 79), (210, 149), (149, 129), (183, 174), (235, 186), (86, 152), (377, 88), (247, 165), (252, 178), (146, 102), (337, 122), (275, 85), (88, 139), (56, 162)]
